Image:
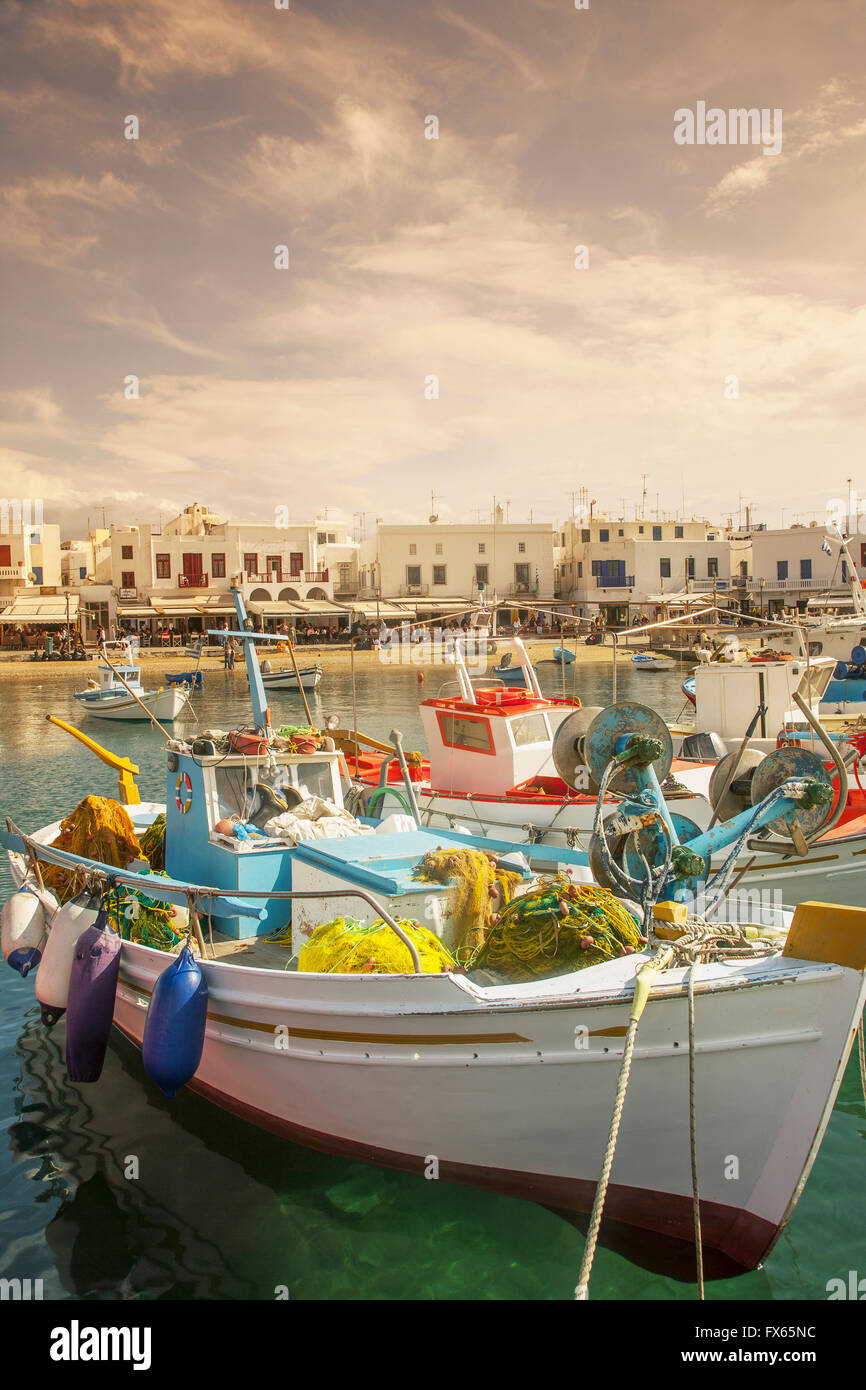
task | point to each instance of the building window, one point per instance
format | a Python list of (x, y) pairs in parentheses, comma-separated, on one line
[(711, 536), (439, 574), (584, 535), (481, 574), (413, 576), (580, 569), (413, 549), (482, 548), (640, 530), (620, 532), (163, 567), (251, 565), (712, 566), (521, 576), (562, 539), (690, 567), (657, 533), (321, 538), (127, 580), (664, 569), (521, 547), (604, 535), (438, 547), (744, 569), (805, 569), (126, 552), (296, 564), (218, 566), (678, 533), (332, 538), (781, 569), (5, 557)]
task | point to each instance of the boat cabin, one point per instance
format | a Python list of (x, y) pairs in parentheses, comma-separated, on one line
[(204, 792), (495, 741), (727, 695)]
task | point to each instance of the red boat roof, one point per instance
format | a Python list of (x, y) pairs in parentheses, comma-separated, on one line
[(502, 702)]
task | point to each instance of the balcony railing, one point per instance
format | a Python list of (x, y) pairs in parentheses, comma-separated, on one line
[(614, 581), (758, 584), (272, 577), (316, 576), (11, 572), (192, 581), (416, 590), (523, 588)]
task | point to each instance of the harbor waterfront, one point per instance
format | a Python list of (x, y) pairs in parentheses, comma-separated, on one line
[(213, 1208)]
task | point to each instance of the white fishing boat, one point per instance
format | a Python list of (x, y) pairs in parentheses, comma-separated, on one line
[(652, 661), (506, 1085), (118, 693), (287, 679)]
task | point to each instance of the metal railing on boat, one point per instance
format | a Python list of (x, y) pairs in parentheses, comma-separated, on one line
[(223, 903)]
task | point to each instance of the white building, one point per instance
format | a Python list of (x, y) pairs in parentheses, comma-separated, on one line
[(30, 571), (443, 566), (624, 569), (790, 567), (186, 568)]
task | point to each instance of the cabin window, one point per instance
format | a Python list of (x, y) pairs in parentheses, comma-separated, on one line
[(529, 728), (312, 779), (459, 731)]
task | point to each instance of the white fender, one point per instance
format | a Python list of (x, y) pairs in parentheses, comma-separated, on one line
[(24, 926), (52, 980)]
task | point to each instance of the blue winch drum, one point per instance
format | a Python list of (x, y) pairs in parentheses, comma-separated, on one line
[(858, 656)]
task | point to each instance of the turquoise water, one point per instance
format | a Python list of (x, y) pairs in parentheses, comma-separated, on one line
[(221, 1210)]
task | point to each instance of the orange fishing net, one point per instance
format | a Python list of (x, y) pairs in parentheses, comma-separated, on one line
[(99, 829)]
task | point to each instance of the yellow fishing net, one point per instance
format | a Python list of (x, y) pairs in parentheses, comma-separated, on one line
[(558, 927), (98, 828), (483, 890), (153, 843), (348, 947)]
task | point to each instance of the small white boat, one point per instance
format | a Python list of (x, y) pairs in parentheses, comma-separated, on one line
[(652, 661), (286, 679), (113, 696)]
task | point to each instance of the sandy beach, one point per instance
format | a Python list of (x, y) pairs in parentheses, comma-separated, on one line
[(17, 666)]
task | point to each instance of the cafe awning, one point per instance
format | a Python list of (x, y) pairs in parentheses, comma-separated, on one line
[(324, 606), (136, 610), (274, 608), (47, 609), (369, 610)]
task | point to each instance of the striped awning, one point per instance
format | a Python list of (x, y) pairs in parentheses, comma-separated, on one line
[(47, 609)]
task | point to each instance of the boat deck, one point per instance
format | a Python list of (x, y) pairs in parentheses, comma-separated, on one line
[(251, 950)]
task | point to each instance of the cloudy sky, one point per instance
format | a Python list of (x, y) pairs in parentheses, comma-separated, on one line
[(413, 258)]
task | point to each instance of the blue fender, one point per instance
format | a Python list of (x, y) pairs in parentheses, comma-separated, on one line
[(175, 1024)]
